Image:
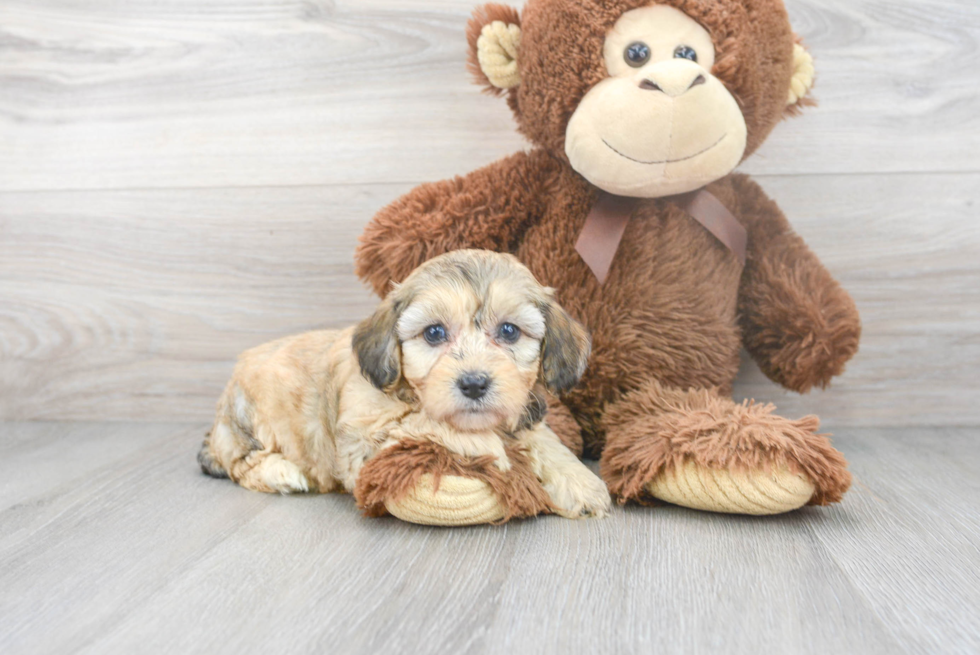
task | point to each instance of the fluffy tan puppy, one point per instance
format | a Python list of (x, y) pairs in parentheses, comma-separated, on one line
[(459, 354)]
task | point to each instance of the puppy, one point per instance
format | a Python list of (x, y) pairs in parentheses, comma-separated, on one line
[(460, 353)]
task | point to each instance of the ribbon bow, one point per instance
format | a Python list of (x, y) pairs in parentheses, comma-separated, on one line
[(604, 227)]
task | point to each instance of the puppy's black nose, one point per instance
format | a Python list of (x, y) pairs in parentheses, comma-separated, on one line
[(473, 385)]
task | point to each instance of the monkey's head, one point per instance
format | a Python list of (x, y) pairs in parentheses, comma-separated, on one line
[(643, 99)]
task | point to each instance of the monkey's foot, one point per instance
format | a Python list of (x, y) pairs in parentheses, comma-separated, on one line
[(456, 501), (752, 491), (710, 453), (421, 482)]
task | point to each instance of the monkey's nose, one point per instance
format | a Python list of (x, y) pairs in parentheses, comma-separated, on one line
[(473, 385), (672, 86)]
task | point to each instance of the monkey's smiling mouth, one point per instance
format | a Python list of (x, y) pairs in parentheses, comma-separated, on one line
[(667, 161)]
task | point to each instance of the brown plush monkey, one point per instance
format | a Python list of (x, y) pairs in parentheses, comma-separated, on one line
[(627, 205)]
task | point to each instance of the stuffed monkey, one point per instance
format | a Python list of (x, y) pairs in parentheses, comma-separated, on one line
[(626, 204)]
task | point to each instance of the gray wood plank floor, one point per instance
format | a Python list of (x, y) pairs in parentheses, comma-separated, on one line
[(131, 549)]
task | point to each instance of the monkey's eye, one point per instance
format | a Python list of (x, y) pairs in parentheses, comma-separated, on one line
[(508, 332), (685, 52), (434, 334), (637, 54)]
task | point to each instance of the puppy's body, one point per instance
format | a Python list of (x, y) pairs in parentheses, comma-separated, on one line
[(298, 415), (305, 413)]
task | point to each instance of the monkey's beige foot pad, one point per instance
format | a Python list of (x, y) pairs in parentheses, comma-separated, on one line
[(712, 454), (421, 482), (456, 501), (751, 491)]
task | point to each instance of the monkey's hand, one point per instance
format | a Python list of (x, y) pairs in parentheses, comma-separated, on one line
[(798, 323), (489, 209)]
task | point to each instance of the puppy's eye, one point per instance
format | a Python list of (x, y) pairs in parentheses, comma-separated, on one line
[(434, 334), (637, 54), (685, 52), (508, 332)]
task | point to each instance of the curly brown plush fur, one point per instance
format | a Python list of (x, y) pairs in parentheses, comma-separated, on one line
[(676, 306), (563, 424), (394, 472)]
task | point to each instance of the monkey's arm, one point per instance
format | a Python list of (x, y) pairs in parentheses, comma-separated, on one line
[(489, 208), (797, 322)]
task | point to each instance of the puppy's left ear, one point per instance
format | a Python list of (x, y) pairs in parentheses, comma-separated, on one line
[(565, 351), (375, 343)]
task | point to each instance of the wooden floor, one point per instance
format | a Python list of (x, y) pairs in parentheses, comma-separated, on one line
[(112, 541), (181, 180)]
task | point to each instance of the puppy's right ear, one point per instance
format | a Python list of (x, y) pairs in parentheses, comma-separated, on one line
[(375, 343)]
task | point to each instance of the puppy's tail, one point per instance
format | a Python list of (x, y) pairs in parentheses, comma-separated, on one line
[(207, 461)]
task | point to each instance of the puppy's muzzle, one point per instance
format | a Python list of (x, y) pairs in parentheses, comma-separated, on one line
[(473, 385)]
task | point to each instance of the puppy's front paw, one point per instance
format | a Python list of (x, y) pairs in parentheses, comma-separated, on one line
[(578, 494)]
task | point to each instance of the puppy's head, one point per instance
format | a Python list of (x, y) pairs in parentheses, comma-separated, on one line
[(472, 334)]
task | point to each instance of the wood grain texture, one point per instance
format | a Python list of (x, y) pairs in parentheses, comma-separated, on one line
[(129, 300), (133, 304), (48, 454), (147, 555), (113, 94)]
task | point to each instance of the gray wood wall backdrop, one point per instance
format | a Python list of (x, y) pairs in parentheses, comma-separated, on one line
[(180, 180)]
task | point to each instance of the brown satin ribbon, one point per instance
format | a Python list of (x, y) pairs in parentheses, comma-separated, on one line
[(604, 227), (707, 210), (603, 230)]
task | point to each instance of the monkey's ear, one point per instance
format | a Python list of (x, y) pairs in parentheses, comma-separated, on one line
[(375, 342), (565, 351), (802, 80), (494, 37)]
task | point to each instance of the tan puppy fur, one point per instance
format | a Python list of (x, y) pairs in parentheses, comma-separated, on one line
[(461, 354)]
